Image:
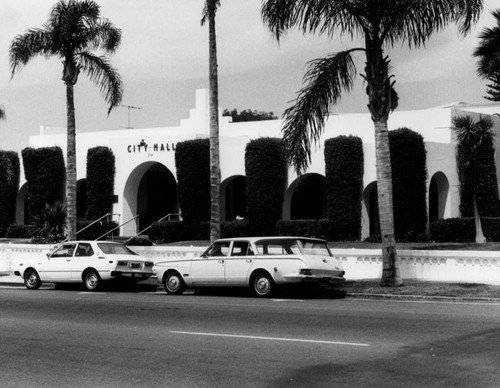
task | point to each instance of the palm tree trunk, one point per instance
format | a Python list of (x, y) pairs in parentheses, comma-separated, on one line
[(390, 270), (480, 239), (214, 126), (71, 163)]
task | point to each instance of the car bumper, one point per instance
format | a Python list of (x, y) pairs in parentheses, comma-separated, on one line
[(314, 279), (133, 275)]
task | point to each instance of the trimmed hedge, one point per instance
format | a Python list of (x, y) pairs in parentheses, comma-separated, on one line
[(344, 170), (409, 176), (463, 229), (192, 162), (100, 182), (20, 231), (306, 228), (96, 230), (172, 231), (9, 184), (266, 172), (487, 191), (45, 175)]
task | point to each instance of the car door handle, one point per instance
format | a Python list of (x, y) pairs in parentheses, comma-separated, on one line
[(68, 260), (249, 260), (221, 261)]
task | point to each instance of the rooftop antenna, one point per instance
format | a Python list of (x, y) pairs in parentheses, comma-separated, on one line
[(130, 107)]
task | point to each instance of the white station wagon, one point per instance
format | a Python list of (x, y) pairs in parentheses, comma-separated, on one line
[(87, 262), (260, 263)]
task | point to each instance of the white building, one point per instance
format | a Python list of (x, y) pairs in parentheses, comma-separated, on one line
[(145, 165)]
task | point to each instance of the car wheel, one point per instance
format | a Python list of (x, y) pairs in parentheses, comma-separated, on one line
[(262, 284), (173, 283), (92, 280), (32, 280)]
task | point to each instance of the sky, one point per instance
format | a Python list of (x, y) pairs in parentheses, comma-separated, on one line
[(163, 59)]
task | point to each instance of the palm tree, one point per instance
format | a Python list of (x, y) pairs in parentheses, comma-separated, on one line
[(209, 12), (488, 52), (74, 29), (380, 24), (471, 136)]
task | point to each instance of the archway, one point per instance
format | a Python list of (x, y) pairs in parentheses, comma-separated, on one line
[(150, 193), (81, 198), (233, 198), (371, 218), (308, 199), (438, 195)]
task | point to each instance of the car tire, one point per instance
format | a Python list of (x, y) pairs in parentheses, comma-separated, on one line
[(91, 280), (174, 284), (262, 284), (32, 280)]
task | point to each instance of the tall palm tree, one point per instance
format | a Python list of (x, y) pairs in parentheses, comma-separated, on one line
[(380, 24), (471, 136), (488, 53), (209, 12), (73, 31)]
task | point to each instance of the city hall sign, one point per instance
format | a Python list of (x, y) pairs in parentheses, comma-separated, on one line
[(143, 146)]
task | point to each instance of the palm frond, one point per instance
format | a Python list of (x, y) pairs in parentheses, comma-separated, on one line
[(324, 16), (304, 122), (105, 76), (209, 5), (23, 48), (488, 50), (414, 21)]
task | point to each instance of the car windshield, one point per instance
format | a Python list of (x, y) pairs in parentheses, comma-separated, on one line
[(115, 249)]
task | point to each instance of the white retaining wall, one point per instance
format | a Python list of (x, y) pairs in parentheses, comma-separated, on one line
[(446, 266)]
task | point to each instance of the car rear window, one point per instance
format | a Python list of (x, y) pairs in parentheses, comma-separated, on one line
[(115, 249)]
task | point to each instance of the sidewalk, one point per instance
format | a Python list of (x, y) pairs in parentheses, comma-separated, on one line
[(10, 280)]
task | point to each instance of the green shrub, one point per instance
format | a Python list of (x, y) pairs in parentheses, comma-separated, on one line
[(96, 230), (100, 182), (173, 231), (9, 185), (304, 228), (266, 172), (487, 184), (20, 231), (463, 229), (45, 175), (409, 176), (192, 162), (344, 170), (235, 229)]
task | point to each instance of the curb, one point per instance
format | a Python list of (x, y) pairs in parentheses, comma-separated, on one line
[(423, 298)]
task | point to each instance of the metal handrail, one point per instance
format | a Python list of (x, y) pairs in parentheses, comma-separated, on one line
[(96, 221), (155, 222), (119, 226)]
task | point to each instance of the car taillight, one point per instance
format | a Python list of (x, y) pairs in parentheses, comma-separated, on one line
[(121, 262), (305, 271)]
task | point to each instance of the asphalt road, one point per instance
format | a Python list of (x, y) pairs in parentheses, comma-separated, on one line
[(63, 338)]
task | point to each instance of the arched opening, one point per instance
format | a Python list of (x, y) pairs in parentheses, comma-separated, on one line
[(308, 200), (438, 194), (22, 209), (151, 193), (233, 198), (81, 198), (371, 218)]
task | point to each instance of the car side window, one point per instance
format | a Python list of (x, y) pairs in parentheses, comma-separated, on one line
[(65, 250), (219, 249), (84, 249), (241, 248)]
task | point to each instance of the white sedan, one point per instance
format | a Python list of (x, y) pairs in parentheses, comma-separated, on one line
[(260, 263), (87, 262)]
